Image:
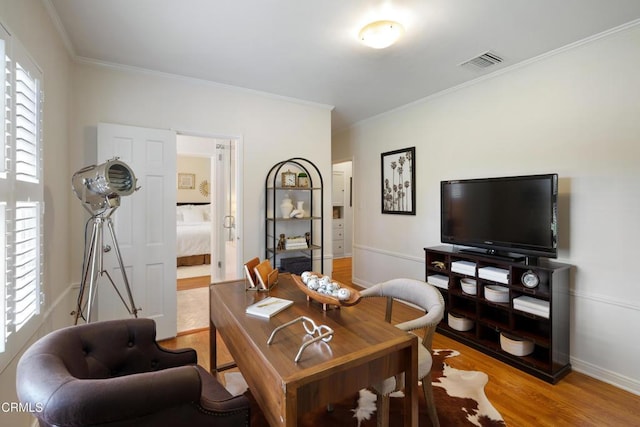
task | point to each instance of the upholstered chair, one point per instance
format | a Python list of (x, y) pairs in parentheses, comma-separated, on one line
[(114, 374), (427, 299)]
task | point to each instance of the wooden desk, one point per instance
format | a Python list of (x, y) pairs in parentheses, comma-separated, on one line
[(363, 351)]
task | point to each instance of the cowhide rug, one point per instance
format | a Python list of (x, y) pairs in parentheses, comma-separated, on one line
[(459, 397)]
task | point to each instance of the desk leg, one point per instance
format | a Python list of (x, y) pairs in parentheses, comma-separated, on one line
[(213, 349), (411, 386)]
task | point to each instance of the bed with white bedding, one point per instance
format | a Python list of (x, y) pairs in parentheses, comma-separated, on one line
[(193, 225)]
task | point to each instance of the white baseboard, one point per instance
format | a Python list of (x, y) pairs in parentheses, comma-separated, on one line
[(629, 384)]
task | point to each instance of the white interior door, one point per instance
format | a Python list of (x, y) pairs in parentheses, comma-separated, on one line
[(144, 226)]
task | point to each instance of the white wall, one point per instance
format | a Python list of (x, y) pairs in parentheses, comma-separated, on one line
[(28, 21), (575, 113)]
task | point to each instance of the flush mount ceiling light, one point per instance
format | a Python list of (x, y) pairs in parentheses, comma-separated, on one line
[(380, 34)]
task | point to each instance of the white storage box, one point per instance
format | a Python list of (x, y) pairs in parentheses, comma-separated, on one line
[(464, 267), (460, 323), (468, 286), (532, 305), (438, 280), (515, 345), (495, 293), (495, 274)]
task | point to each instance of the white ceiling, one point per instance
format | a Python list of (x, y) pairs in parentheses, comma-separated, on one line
[(308, 50)]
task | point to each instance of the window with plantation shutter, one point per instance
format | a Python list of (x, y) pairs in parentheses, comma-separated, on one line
[(21, 196)]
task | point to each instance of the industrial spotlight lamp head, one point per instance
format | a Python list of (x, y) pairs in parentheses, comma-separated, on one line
[(100, 187)]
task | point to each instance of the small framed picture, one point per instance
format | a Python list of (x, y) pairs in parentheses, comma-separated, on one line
[(186, 181), (398, 171)]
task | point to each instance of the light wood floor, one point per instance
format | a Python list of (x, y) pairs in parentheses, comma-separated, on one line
[(523, 400)]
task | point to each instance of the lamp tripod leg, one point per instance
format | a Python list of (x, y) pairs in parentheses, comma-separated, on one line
[(89, 273), (93, 268), (132, 306)]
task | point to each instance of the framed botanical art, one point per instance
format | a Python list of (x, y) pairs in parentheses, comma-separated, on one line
[(186, 181), (398, 172)]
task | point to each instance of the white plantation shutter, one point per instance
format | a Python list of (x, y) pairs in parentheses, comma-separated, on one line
[(21, 197), (26, 116)]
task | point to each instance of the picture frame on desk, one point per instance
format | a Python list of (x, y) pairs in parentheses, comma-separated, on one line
[(398, 179)]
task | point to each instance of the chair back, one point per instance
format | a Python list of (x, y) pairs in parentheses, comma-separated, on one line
[(418, 293)]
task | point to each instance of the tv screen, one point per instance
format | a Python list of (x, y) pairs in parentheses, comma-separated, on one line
[(508, 214)]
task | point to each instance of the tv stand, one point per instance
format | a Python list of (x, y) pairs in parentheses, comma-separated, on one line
[(486, 321), (492, 253)]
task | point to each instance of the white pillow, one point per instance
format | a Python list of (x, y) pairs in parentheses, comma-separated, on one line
[(205, 209), (192, 215)]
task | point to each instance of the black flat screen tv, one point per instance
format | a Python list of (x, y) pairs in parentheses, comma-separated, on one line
[(502, 216)]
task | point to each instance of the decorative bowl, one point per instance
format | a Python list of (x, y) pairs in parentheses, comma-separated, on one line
[(327, 299), (495, 293), (468, 285)]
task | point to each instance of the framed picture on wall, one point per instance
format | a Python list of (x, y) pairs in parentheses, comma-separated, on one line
[(398, 172), (186, 181)]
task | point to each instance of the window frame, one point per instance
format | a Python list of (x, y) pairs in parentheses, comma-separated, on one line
[(21, 238)]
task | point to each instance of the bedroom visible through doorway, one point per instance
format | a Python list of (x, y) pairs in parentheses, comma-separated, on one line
[(207, 236)]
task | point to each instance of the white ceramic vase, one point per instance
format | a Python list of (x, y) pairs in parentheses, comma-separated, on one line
[(286, 207)]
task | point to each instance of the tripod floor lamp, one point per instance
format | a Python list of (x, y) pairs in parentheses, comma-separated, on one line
[(99, 188)]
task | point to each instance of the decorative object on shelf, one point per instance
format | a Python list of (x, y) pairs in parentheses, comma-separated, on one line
[(298, 212), (307, 236), (296, 242), (516, 345), (460, 323), (530, 279), (438, 264), (289, 179), (495, 293), (286, 207), (303, 180), (398, 174), (281, 242), (204, 188), (323, 332), (186, 181), (468, 285)]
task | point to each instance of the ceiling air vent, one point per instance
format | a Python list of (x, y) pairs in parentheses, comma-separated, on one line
[(483, 61)]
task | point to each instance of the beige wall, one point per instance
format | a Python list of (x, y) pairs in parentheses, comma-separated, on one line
[(200, 167), (575, 113)]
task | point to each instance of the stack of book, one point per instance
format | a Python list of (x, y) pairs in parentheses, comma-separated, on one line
[(464, 267), (438, 280), (299, 242), (532, 305), (496, 274)]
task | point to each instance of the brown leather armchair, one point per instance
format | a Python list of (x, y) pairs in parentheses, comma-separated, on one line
[(114, 373)]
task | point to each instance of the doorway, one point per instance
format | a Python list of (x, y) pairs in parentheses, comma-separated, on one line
[(208, 175), (342, 202)]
